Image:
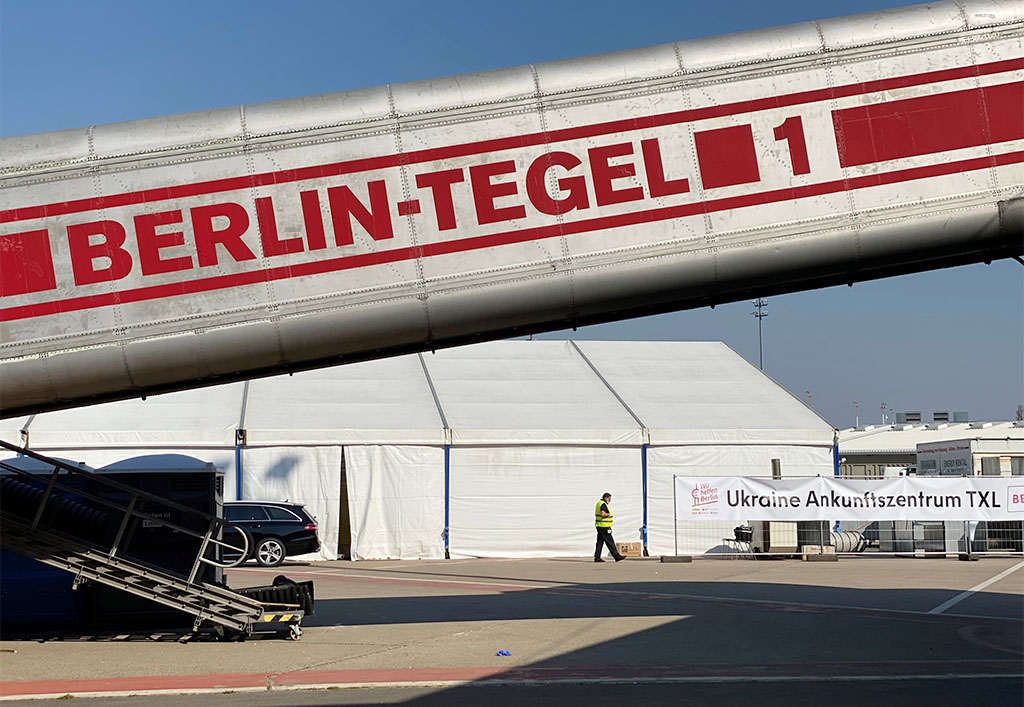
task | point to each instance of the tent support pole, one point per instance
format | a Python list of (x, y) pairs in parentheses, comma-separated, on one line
[(239, 441), (643, 529), (835, 461), (675, 520), (447, 494)]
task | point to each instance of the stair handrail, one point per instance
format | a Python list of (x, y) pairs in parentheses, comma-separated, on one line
[(207, 538)]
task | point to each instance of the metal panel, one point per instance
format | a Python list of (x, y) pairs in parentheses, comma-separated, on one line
[(194, 249)]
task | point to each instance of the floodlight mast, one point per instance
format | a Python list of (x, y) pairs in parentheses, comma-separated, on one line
[(760, 304)]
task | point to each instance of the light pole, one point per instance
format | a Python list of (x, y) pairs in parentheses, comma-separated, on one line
[(856, 414), (760, 314)]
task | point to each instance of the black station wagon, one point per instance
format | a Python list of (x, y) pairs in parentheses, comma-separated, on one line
[(276, 530)]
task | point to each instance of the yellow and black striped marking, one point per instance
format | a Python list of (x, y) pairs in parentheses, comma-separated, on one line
[(281, 618)]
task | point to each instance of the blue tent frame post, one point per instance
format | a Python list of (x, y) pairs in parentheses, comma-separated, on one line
[(643, 528), (447, 495), (239, 439)]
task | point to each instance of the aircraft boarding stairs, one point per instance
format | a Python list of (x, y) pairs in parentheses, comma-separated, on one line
[(59, 519)]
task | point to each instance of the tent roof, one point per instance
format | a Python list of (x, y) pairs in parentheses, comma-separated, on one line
[(527, 391), (204, 417), (686, 392), (505, 392), (387, 401)]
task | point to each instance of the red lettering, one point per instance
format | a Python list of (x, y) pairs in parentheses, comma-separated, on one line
[(1018, 498), (207, 237), (272, 244), (150, 242), (726, 156), (440, 185), (314, 220), (537, 190), (485, 192), (655, 170), (376, 220), (792, 131), (26, 263), (605, 173), (84, 253)]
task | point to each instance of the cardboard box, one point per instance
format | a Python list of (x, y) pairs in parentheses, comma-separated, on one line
[(630, 549), (818, 550)]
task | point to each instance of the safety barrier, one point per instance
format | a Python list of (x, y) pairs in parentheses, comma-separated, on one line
[(762, 535)]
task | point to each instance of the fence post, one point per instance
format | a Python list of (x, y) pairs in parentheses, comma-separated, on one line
[(675, 520)]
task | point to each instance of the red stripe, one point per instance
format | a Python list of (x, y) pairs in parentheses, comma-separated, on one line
[(498, 239), (473, 148), (521, 673), (923, 126)]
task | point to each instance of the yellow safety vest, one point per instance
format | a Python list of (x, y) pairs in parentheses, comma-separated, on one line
[(598, 520)]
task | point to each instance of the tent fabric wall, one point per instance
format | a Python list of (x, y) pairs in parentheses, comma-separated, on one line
[(395, 501), (714, 460), (539, 501), (307, 475), (537, 430)]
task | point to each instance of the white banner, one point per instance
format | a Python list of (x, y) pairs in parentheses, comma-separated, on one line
[(828, 498)]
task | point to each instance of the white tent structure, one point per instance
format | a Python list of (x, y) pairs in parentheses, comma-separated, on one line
[(498, 449)]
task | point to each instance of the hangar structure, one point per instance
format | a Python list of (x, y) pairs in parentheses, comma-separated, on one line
[(493, 450)]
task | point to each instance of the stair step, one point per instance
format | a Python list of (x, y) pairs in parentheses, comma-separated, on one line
[(53, 547)]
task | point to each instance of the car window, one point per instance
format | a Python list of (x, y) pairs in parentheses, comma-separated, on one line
[(244, 513), (276, 513)]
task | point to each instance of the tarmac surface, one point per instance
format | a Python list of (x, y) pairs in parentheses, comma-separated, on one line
[(879, 629)]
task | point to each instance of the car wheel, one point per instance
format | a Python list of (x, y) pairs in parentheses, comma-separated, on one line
[(270, 552)]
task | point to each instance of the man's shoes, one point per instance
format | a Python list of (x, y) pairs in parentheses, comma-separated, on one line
[(598, 559), (620, 558)]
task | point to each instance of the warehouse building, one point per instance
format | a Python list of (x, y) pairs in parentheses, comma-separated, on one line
[(877, 451), (938, 448), (493, 450)]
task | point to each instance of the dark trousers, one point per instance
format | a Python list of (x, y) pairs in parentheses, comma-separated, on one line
[(604, 537)]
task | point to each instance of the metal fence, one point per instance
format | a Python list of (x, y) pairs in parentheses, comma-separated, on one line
[(756, 538)]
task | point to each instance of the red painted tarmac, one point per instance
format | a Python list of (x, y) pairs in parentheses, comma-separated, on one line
[(606, 673)]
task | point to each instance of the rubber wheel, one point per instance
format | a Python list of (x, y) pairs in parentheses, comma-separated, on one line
[(270, 552)]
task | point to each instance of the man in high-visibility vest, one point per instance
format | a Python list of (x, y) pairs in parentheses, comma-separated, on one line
[(603, 521)]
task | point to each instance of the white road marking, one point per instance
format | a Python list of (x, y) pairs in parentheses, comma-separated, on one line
[(492, 682), (974, 590)]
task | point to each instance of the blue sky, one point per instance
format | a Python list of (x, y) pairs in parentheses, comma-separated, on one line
[(945, 340)]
